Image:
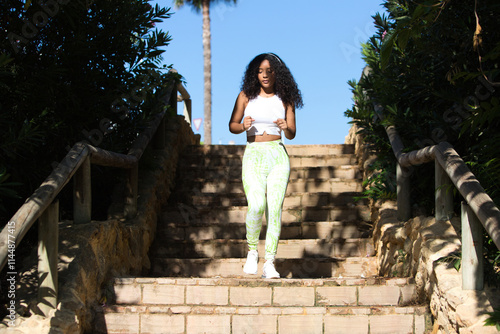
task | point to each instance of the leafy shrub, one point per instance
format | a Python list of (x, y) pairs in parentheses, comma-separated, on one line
[(72, 71)]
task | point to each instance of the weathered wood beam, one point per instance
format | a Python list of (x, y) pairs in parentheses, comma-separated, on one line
[(443, 193), (111, 159), (403, 193), (472, 250), (471, 190), (36, 204), (82, 194)]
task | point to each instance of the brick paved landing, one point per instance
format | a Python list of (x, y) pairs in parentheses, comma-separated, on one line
[(225, 305)]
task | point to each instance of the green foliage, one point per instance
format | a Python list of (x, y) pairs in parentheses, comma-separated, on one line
[(494, 319), (454, 260), (381, 184), (6, 188), (426, 67), (492, 264), (71, 71), (198, 4)]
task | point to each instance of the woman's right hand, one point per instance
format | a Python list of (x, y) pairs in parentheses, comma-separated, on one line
[(235, 123), (247, 123)]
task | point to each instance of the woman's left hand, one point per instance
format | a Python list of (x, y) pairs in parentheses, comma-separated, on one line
[(281, 124)]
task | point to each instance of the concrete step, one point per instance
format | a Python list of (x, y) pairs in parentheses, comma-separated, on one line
[(306, 150), (244, 292), (226, 172), (198, 305), (235, 186), (287, 249), (230, 320), (237, 214), (291, 200), (311, 267), (197, 230), (234, 160)]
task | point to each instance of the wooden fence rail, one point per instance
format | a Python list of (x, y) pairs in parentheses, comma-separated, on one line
[(478, 209), (42, 206)]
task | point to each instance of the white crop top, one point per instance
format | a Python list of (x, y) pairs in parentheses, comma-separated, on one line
[(264, 111)]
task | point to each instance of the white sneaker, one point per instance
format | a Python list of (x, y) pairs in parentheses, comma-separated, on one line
[(269, 270), (251, 264)]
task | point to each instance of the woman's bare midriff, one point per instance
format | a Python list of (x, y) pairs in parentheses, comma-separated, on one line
[(263, 137)]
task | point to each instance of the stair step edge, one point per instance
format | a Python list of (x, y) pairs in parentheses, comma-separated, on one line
[(271, 295), (346, 281), (283, 242), (277, 310)]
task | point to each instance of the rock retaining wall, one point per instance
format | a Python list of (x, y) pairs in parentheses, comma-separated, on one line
[(426, 249)]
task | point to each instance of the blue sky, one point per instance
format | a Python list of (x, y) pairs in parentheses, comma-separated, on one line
[(318, 40)]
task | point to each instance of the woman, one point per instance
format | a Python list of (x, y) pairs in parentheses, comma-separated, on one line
[(264, 109)]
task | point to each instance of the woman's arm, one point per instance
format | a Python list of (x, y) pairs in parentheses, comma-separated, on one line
[(235, 125), (288, 124)]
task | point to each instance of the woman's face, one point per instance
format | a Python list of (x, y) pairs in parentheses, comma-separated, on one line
[(266, 75)]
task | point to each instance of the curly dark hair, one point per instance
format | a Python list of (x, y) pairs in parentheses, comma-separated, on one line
[(285, 86)]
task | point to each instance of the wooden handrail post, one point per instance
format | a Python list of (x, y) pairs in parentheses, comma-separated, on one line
[(48, 244), (173, 99), (403, 193), (131, 191), (443, 193), (472, 250), (82, 194), (187, 110)]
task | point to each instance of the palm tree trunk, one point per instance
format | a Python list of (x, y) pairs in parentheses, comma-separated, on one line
[(207, 71)]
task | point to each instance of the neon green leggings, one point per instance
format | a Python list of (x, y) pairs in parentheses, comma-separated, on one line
[(266, 168)]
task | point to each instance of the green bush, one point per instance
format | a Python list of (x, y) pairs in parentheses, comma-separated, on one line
[(71, 71), (427, 68)]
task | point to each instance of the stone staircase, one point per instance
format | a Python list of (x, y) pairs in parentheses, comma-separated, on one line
[(325, 257)]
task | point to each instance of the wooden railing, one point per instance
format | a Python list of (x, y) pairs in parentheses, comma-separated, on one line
[(478, 209), (76, 164)]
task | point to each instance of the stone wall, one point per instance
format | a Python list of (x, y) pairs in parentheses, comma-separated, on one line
[(363, 154), (91, 254), (425, 249)]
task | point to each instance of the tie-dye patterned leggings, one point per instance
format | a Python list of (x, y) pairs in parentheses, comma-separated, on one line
[(266, 169)]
